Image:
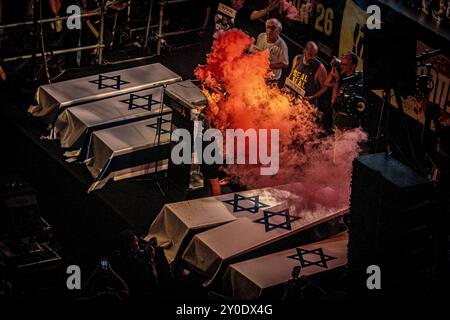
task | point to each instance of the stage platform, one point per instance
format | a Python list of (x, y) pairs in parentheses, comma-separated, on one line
[(88, 223)]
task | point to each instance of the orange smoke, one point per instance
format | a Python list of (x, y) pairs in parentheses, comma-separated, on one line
[(239, 98)]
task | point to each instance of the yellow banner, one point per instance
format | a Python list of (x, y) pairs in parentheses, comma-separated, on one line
[(352, 31)]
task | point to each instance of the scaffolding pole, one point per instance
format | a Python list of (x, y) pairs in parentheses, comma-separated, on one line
[(50, 53), (160, 25), (101, 35), (149, 21)]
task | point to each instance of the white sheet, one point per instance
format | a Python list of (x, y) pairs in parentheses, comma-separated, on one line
[(256, 278), (108, 145), (178, 220), (55, 96), (74, 123), (208, 250)]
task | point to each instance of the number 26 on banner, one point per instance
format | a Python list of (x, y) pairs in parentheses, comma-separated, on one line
[(324, 20)]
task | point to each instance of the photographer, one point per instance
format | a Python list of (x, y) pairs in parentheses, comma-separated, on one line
[(345, 80)]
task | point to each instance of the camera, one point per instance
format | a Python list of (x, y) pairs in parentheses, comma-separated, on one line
[(147, 249), (335, 63)]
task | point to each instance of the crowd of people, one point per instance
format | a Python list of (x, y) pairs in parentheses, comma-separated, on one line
[(307, 74)]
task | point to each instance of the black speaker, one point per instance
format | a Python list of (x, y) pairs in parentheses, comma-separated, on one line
[(390, 58), (390, 219)]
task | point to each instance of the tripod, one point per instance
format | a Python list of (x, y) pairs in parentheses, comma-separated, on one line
[(424, 85), (158, 137), (38, 35), (431, 110), (384, 113), (41, 34)]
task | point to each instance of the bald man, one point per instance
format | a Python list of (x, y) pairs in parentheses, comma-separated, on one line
[(309, 74)]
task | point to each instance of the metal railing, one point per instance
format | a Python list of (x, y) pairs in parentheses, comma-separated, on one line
[(161, 35), (100, 45)]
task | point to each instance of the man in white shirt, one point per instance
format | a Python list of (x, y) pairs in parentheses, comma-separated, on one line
[(278, 51)]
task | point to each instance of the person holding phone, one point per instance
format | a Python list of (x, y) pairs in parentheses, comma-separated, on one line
[(104, 263), (105, 284)]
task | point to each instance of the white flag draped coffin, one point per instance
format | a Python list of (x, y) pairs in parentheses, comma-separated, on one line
[(128, 150), (75, 124), (178, 222), (52, 98), (209, 252), (266, 277)]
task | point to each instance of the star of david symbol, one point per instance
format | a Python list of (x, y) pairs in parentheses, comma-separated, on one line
[(237, 207), (133, 104), (322, 262), (115, 85), (268, 216), (157, 126)]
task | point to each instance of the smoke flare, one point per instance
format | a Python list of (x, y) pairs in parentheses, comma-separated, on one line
[(239, 98)]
